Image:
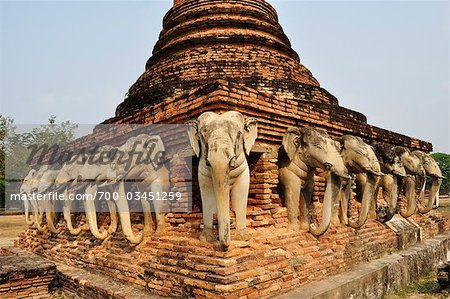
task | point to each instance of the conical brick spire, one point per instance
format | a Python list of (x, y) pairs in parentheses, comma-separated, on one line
[(234, 40)]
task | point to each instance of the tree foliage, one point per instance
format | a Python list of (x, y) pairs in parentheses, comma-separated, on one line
[(444, 163), (15, 147), (5, 125)]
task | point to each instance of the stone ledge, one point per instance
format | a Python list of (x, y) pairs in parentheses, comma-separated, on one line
[(380, 277), (18, 266), (25, 275), (78, 283)]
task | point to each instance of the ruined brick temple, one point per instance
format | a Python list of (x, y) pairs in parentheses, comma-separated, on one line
[(220, 55)]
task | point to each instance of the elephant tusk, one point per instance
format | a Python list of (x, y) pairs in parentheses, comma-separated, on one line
[(345, 177), (373, 172), (107, 183), (331, 192), (399, 174), (78, 187), (59, 188)]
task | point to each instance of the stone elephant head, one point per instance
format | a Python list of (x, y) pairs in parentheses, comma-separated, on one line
[(65, 182), (414, 183), (222, 142), (360, 160), (97, 172), (139, 162), (45, 179), (25, 189), (392, 180), (38, 206), (432, 170), (307, 149)]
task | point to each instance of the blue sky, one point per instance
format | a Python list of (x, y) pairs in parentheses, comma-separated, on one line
[(76, 60)]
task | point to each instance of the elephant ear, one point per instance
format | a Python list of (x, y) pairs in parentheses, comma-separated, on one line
[(291, 141), (194, 136), (156, 147), (250, 133), (339, 144)]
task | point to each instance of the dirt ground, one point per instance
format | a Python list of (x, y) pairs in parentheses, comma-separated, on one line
[(444, 206), (10, 227)]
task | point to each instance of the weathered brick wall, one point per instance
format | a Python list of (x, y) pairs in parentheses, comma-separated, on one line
[(25, 277), (274, 114)]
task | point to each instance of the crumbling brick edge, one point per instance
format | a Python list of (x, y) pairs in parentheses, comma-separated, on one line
[(374, 279), (28, 275), (380, 277)]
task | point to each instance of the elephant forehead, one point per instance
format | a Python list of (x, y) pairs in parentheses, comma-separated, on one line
[(363, 150), (316, 136), (319, 140), (220, 126)]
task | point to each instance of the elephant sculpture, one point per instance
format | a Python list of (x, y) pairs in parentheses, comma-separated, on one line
[(68, 174), (360, 160), (432, 170), (307, 149), (149, 175), (222, 143), (414, 183), (392, 180), (45, 179), (25, 189), (89, 178)]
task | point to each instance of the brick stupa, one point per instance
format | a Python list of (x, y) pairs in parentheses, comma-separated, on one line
[(220, 55)]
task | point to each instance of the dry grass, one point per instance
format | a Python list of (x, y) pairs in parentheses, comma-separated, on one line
[(426, 288), (10, 227), (444, 206)]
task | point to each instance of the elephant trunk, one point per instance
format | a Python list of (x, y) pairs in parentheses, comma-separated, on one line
[(434, 194), (367, 197), (113, 217), (67, 215), (220, 173), (28, 219), (38, 212), (50, 215), (331, 192), (91, 213), (437, 194), (390, 184), (124, 215), (345, 199), (393, 195), (410, 192)]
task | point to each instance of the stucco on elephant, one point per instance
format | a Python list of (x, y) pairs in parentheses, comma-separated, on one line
[(222, 142)]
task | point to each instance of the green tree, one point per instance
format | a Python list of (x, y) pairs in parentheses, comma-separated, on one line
[(15, 148), (5, 126), (444, 163)]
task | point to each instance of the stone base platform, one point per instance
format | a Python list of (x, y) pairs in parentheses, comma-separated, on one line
[(275, 260), (27, 275), (23, 275), (380, 277), (374, 279)]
